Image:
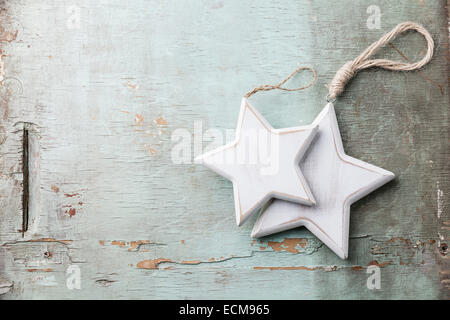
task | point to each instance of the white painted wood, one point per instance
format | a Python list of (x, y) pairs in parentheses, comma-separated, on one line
[(262, 162), (336, 179)]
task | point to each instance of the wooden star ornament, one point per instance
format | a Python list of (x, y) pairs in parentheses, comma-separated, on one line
[(336, 179), (262, 162)]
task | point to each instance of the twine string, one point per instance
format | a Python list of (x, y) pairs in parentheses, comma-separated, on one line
[(268, 87), (349, 69)]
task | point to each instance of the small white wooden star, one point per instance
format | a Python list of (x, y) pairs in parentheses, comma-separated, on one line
[(262, 162), (336, 179)]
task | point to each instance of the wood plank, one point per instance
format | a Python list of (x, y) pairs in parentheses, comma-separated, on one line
[(105, 99)]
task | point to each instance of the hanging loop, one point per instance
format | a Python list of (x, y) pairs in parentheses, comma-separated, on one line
[(349, 69), (268, 87)]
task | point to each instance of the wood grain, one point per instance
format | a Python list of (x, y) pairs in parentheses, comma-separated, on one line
[(104, 100)]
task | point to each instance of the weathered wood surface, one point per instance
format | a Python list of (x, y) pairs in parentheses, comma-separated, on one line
[(104, 99)]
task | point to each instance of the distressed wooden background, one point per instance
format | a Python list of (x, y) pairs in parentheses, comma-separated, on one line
[(101, 99)]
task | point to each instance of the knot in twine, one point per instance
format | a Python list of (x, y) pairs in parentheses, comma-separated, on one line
[(268, 87), (349, 69)]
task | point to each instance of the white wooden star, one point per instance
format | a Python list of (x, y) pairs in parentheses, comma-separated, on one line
[(336, 179), (262, 162)]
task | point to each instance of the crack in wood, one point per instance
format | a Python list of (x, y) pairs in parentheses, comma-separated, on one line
[(5, 286), (26, 177)]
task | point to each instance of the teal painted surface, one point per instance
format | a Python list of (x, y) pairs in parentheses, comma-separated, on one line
[(107, 97)]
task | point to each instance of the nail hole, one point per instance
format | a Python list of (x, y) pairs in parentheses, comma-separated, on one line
[(443, 248)]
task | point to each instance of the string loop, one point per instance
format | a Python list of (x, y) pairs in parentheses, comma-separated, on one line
[(268, 87), (349, 69)]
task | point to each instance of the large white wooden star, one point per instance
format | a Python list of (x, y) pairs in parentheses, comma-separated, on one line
[(336, 179), (262, 162)]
